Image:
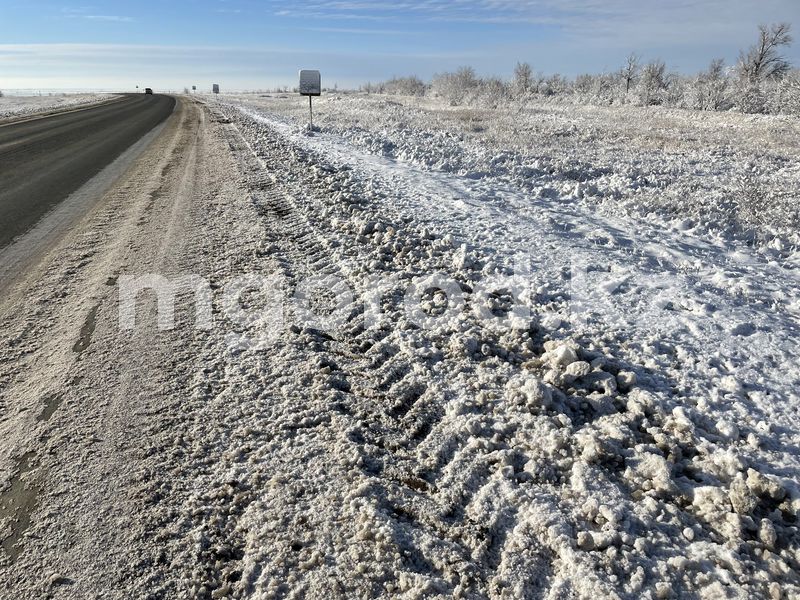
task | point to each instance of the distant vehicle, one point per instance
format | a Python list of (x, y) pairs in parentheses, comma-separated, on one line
[(148, 91), (215, 88)]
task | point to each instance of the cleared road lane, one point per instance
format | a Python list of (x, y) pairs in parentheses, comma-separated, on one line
[(42, 161)]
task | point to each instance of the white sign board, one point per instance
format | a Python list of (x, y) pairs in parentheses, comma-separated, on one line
[(310, 83)]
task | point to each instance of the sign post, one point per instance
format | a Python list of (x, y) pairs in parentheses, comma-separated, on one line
[(310, 85)]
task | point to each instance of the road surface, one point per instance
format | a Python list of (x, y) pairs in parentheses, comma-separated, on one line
[(42, 161)]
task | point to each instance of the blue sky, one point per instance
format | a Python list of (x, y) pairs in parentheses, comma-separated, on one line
[(250, 44)]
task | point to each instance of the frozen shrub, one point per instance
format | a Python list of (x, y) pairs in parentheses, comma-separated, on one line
[(596, 89), (455, 87), (491, 92), (711, 88), (653, 83), (404, 86), (758, 205), (583, 84), (791, 90), (554, 85), (751, 98), (523, 84), (675, 91), (751, 197), (785, 97)]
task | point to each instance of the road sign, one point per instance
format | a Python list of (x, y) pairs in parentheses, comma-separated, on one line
[(310, 83)]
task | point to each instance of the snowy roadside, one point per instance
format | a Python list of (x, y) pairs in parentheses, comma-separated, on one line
[(609, 443), (639, 438), (24, 106)]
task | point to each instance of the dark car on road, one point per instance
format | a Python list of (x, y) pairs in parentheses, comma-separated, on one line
[(148, 91)]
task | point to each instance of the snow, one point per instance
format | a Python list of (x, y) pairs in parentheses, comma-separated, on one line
[(568, 369), (628, 443), (21, 106)]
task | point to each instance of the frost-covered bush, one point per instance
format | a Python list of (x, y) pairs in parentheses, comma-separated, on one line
[(404, 86), (653, 83), (785, 95), (596, 89), (491, 92), (751, 99), (455, 87), (760, 205), (755, 85), (711, 88), (791, 94), (676, 91), (465, 87), (583, 84), (524, 83), (554, 85)]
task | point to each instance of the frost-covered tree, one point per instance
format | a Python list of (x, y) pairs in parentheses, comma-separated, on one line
[(711, 87), (763, 60), (524, 83), (761, 67), (653, 83), (630, 72)]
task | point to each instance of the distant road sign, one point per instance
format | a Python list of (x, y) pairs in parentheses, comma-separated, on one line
[(310, 83), (215, 88)]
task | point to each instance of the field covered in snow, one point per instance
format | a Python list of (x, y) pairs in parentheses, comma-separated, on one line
[(636, 436), (708, 171), (20, 106)]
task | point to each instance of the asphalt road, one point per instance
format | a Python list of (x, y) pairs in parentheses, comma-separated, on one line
[(42, 161)]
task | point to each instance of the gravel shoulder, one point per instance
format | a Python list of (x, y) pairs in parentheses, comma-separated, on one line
[(87, 409)]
